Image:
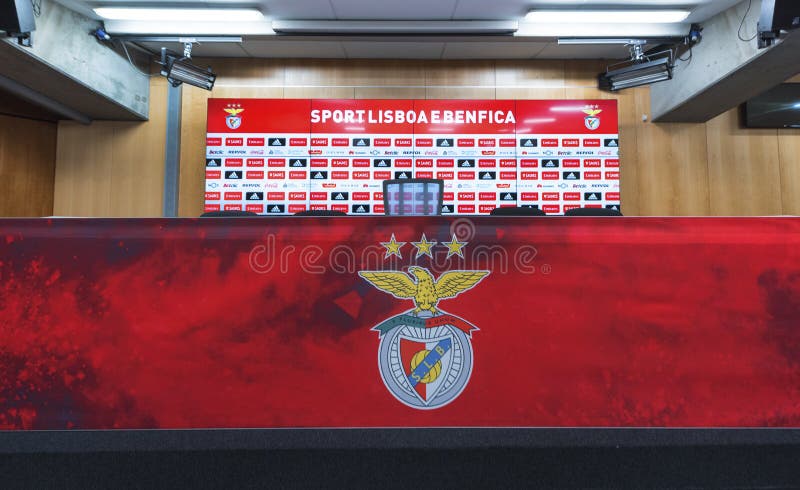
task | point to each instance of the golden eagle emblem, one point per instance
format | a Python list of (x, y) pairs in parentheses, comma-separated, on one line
[(592, 112), (421, 286), (233, 111)]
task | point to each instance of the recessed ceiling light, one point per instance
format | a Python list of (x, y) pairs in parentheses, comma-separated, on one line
[(607, 16), (174, 14)]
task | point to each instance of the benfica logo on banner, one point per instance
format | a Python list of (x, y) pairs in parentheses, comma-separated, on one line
[(591, 121), (425, 354), (233, 120)]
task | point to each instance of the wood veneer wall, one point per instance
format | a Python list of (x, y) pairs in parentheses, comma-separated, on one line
[(716, 168), (113, 168), (27, 166)]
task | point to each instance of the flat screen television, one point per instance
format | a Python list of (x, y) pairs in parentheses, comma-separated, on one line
[(776, 108)]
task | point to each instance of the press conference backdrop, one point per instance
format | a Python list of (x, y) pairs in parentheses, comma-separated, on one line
[(279, 156), (665, 169)]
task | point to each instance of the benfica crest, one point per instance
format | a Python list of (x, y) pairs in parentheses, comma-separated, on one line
[(233, 119), (591, 120), (425, 354)]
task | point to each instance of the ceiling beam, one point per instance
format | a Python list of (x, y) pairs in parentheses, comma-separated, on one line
[(724, 71), (71, 70)]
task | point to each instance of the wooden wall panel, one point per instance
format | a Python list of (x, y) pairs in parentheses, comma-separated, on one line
[(460, 80), (716, 168), (83, 169), (670, 162), (390, 92), (27, 166), (789, 155), (113, 168), (743, 168)]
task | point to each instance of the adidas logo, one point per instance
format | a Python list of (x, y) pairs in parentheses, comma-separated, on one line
[(571, 176), (550, 164), (361, 142), (508, 197), (592, 197), (253, 196), (275, 209), (612, 143), (486, 176), (529, 143), (318, 175), (446, 209), (339, 197), (381, 163), (360, 209), (465, 163), (233, 175), (212, 163), (275, 142), (298, 163)]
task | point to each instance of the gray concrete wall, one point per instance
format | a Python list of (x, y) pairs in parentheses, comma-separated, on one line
[(62, 42), (724, 71)]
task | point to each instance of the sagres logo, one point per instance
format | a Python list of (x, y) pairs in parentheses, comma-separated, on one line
[(591, 120), (233, 119), (425, 354)]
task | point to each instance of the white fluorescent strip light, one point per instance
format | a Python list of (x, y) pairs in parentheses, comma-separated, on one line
[(607, 16), (188, 29), (581, 41), (180, 15), (390, 27)]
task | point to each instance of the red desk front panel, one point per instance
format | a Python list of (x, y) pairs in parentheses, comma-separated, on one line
[(245, 323)]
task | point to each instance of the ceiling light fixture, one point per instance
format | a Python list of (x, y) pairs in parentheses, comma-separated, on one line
[(182, 15), (636, 75), (641, 69), (390, 27), (592, 40), (607, 16), (181, 70)]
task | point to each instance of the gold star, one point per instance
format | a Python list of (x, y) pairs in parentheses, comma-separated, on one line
[(393, 247), (424, 246), (454, 247)]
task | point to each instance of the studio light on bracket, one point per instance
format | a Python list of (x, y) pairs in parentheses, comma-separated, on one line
[(641, 69), (180, 69)]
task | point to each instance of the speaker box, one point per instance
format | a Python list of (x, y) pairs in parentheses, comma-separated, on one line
[(779, 15), (16, 16)]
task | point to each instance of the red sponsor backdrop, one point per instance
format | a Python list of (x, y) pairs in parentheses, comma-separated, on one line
[(490, 116), (361, 116), (228, 323), (475, 146), (551, 117), (261, 115)]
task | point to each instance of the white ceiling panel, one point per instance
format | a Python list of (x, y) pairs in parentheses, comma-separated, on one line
[(394, 50), (483, 10), (298, 9), (584, 52), (294, 49), (492, 50), (394, 10)]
